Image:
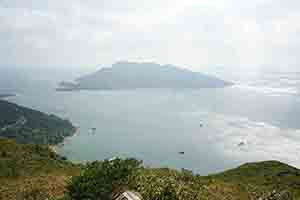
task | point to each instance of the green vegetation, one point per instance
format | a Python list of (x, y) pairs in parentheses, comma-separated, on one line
[(29, 126), (264, 176), (27, 160), (99, 179), (34, 172), (265, 180)]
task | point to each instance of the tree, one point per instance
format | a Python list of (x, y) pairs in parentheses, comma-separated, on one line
[(100, 178)]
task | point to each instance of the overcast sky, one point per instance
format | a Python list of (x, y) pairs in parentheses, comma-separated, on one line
[(191, 33)]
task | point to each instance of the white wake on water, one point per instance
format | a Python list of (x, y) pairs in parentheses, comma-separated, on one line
[(268, 90)]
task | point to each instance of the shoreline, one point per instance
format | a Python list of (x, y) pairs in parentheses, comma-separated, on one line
[(4, 96), (54, 147)]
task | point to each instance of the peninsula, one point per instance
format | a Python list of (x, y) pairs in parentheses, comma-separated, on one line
[(26, 125)]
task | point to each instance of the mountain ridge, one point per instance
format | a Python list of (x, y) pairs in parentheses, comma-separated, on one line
[(131, 75)]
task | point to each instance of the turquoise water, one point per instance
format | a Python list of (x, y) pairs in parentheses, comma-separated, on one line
[(154, 125)]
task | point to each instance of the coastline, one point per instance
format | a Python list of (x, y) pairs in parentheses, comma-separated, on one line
[(4, 96), (54, 147)]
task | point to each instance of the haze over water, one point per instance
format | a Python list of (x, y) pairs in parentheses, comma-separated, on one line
[(260, 112)]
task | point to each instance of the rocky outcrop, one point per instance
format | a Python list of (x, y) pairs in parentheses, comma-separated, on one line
[(128, 195)]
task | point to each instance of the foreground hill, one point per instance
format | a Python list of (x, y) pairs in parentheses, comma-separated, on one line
[(130, 75), (32, 171), (35, 172), (31, 126)]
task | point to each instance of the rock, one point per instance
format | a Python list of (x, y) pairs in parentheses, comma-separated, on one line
[(128, 195), (241, 144)]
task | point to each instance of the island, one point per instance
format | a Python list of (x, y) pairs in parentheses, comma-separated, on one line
[(67, 86), (5, 95), (131, 75), (26, 125)]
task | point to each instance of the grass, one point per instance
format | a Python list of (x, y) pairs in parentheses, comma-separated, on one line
[(35, 172), (32, 170), (264, 176), (186, 186)]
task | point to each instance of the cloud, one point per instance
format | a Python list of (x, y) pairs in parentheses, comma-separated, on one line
[(190, 33)]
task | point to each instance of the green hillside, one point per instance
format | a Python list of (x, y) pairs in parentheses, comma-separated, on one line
[(264, 176), (31, 171), (30, 126), (36, 172)]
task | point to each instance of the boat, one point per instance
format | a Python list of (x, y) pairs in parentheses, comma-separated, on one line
[(93, 131), (241, 144)]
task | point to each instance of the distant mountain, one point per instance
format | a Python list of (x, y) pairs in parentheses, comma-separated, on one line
[(30, 126), (5, 95), (130, 75)]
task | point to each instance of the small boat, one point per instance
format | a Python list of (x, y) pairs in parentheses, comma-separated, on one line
[(65, 89), (93, 131), (241, 144), (181, 152)]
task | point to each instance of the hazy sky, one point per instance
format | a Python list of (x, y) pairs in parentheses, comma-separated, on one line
[(191, 33)]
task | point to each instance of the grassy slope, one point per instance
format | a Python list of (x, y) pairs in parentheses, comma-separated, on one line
[(249, 181), (37, 171), (264, 176), (32, 170), (149, 182)]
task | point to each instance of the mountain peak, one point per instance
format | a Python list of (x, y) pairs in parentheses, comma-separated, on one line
[(133, 75)]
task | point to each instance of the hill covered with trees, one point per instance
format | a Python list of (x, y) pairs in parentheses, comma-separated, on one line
[(30, 126)]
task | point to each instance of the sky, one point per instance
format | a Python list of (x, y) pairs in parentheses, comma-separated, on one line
[(196, 34)]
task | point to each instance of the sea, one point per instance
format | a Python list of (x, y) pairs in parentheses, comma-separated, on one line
[(204, 130)]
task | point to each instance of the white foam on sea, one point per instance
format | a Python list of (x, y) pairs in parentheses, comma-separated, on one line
[(289, 81), (268, 90), (249, 141)]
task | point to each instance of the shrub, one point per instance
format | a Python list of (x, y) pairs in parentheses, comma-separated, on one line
[(3, 154), (33, 193), (52, 155), (100, 178), (64, 158)]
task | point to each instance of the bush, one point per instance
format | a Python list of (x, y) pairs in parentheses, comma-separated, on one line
[(154, 186), (33, 192), (64, 158), (100, 178), (3, 154)]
